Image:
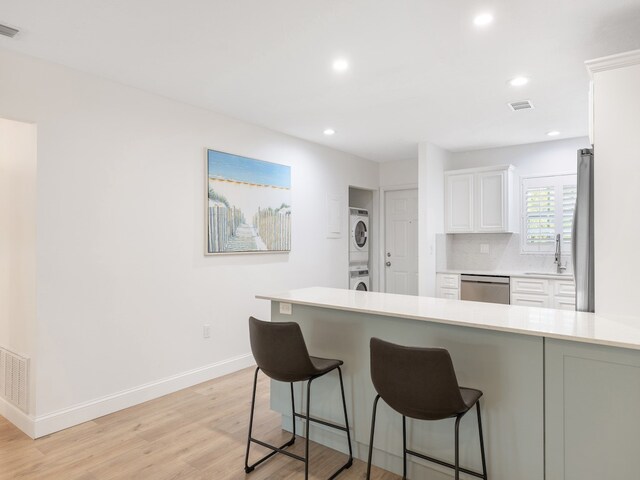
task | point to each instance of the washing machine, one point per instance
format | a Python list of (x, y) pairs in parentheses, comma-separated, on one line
[(359, 278), (359, 236)]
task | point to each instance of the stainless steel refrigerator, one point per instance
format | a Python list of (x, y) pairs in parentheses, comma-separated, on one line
[(582, 234)]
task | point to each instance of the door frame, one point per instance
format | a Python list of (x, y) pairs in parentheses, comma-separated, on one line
[(382, 231)]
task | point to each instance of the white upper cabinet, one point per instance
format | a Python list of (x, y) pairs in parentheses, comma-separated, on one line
[(480, 200), (459, 202)]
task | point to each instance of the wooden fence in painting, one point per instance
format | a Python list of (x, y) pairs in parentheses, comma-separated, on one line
[(223, 222), (274, 228)]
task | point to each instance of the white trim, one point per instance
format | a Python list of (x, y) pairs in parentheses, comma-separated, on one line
[(523, 229), (86, 411), (490, 168), (381, 237), (612, 62), (16, 416)]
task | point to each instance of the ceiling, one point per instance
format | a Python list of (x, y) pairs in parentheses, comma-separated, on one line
[(419, 69)]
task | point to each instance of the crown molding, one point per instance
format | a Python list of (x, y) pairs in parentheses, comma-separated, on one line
[(611, 62)]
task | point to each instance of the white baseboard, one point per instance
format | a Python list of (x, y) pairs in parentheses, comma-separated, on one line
[(56, 421), (16, 416)]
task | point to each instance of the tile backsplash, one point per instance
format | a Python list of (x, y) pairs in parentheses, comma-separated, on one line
[(491, 251)]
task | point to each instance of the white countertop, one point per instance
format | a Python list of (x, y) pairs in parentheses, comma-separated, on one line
[(505, 273), (540, 322)]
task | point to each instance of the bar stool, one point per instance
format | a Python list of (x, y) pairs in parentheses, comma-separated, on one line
[(421, 383), (281, 353)]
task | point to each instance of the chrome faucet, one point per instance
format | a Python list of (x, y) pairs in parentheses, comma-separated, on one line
[(558, 258)]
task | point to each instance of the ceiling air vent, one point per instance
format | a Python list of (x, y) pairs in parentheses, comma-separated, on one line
[(523, 105), (8, 31)]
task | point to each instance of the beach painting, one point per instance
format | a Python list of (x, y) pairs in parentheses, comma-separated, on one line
[(248, 205)]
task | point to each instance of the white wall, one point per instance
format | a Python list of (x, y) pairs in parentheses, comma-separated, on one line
[(17, 239), (616, 189), (123, 286), (400, 172), (544, 158), (554, 157), (433, 161), (18, 235)]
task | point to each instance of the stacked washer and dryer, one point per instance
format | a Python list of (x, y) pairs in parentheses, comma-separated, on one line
[(359, 250)]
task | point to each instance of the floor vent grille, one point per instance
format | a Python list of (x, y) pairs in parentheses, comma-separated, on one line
[(14, 379)]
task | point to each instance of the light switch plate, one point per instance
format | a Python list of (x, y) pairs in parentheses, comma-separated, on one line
[(484, 248), (285, 308)]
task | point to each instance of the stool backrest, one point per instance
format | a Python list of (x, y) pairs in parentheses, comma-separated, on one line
[(416, 382), (279, 350)]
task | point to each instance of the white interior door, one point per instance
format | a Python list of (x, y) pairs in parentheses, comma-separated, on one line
[(401, 242)]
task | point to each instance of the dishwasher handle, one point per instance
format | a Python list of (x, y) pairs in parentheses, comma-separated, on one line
[(485, 279)]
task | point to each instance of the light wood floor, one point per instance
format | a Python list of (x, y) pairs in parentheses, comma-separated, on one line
[(196, 434)]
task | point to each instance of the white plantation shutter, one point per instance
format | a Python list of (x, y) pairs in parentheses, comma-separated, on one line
[(569, 193), (547, 210), (540, 214)]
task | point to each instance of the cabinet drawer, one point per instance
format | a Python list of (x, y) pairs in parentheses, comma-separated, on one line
[(564, 303), (564, 288), (450, 293), (528, 300), (449, 280), (538, 286)]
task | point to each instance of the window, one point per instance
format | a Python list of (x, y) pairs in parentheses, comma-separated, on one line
[(547, 210)]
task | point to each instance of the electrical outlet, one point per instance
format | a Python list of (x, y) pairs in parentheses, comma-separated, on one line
[(285, 308), (484, 248), (206, 331)]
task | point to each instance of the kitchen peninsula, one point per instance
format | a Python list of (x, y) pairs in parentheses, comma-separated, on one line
[(561, 388)]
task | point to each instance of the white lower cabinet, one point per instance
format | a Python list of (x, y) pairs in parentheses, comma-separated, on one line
[(564, 303), (530, 300), (526, 291), (448, 286), (542, 292)]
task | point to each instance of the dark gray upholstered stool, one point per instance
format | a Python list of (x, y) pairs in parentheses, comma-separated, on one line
[(421, 383), (281, 353)]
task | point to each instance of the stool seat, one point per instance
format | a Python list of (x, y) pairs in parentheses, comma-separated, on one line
[(325, 365), (470, 396)]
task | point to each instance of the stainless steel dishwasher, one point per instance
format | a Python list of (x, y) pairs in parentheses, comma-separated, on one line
[(485, 288)]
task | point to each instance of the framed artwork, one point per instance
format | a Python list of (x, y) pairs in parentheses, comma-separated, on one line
[(248, 205)]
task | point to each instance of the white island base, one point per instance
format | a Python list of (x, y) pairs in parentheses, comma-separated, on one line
[(569, 407)]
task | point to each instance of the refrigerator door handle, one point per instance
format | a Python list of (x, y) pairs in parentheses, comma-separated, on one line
[(574, 241)]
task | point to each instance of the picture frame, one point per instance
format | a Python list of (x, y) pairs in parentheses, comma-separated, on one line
[(247, 205)]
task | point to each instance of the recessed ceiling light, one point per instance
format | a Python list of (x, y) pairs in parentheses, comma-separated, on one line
[(329, 131), (340, 65), (553, 133), (483, 19), (518, 81)]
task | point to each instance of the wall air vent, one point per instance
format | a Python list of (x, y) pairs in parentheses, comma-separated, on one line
[(523, 105), (14, 379), (8, 31)]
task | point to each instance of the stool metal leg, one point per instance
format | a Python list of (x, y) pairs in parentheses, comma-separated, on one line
[(373, 429), (253, 405), (457, 456), (346, 420), (307, 418), (249, 468), (484, 461), (293, 414), (404, 448), (407, 451), (306, 447)]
